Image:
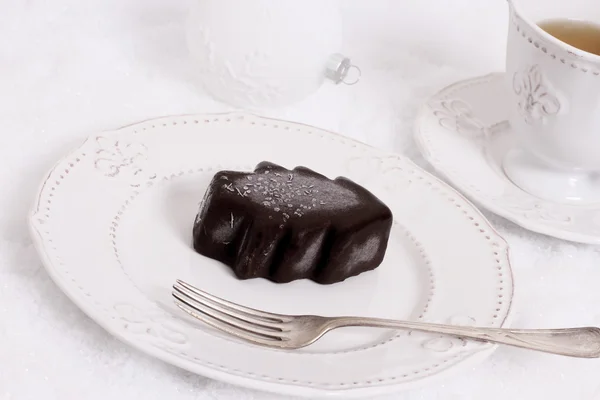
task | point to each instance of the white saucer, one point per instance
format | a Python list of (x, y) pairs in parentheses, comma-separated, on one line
[(113, 222), (463, 132)]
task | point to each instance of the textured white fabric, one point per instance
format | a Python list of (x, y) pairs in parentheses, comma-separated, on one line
[(69, 68)]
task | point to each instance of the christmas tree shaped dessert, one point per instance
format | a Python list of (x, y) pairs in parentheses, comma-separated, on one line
[(284, 225)]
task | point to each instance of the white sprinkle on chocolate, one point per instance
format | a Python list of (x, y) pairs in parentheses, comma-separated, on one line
[(231, 221)]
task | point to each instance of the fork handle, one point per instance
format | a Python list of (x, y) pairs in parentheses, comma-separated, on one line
[(574, 342)]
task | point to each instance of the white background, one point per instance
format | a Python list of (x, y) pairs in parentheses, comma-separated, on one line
[(72, 67)]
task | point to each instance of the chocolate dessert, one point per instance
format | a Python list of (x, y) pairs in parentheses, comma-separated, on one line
[(284, 225)]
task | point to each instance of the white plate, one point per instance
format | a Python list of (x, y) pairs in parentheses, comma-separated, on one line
[(463, 132), (113, 224)]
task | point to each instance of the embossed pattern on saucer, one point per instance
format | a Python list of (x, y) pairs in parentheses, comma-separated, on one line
[(463, 133)]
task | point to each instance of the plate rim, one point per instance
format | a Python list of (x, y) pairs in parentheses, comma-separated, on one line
[(529, 224), (229, 377)]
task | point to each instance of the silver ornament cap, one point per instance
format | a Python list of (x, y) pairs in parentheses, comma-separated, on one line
[(338, 69)]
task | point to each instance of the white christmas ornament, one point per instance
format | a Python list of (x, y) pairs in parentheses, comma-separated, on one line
[(263, 53)]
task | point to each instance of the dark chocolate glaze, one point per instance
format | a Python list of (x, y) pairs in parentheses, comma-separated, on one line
[(284, 225)]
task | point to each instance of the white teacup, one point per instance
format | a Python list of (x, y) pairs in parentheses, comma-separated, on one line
[(554, 104)]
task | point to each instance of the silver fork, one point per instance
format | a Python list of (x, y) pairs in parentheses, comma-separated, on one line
[(297, 331)]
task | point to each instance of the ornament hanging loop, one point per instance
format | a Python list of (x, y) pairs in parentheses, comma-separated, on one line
[(338, 68), (357, 77)]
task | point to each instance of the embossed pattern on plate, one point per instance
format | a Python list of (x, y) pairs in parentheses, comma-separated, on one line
[(112, 223)]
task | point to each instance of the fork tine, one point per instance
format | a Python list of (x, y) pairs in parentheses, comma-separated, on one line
[(200, 301), (247, 310), (226, 324), (275, 326)]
